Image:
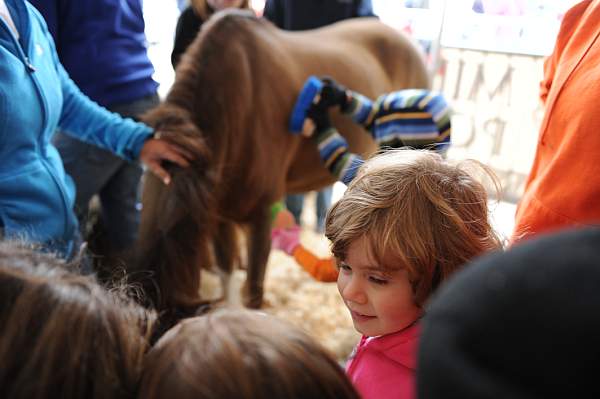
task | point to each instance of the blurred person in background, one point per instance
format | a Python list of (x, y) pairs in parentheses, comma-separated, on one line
[(191, 19)]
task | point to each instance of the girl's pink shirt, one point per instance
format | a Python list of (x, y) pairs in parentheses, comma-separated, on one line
[(384, 367)]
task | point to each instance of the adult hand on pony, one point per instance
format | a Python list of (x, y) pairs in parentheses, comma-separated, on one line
[(157, 150)]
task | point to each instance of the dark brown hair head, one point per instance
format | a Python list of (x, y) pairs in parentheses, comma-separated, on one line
[(241, 354), (62, 335), (418, 212)]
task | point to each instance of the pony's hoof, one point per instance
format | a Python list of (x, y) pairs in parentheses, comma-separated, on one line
[(254, 303), (253, 298)]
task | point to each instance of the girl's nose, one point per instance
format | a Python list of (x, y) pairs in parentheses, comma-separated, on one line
[(354, 292)]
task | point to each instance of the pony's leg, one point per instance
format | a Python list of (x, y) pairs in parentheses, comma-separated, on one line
[(259, 246), (226, 254)]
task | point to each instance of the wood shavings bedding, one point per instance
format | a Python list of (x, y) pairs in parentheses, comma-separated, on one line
[(290, 293)]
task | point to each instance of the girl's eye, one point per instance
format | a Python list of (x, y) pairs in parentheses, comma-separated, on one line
[(344, 267), (377, 280)]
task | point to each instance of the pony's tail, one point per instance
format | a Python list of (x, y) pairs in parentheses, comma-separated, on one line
[(175, 218)]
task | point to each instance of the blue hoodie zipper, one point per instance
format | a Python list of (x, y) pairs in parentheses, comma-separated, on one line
[(31, 69)]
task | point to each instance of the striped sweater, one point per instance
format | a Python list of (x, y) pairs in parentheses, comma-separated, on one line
[(415, 117)]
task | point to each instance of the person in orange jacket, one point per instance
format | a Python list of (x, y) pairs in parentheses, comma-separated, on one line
[(563, 188)]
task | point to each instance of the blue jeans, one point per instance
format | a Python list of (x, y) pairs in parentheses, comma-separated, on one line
[(295, 204), (113, 179), (182, 4)]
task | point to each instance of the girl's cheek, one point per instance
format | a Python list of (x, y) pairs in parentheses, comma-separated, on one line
[(342, 281)]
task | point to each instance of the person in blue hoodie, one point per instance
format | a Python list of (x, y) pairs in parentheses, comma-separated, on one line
[(102, 45), (37, 97)]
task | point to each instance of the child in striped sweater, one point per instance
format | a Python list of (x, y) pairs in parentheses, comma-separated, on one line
[(417, 118)]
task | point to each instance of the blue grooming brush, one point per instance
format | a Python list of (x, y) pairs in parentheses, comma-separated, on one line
[(311, 88)]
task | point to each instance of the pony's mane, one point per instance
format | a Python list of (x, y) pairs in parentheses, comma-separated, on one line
[(174, 216), (223, 84), (206, 85)]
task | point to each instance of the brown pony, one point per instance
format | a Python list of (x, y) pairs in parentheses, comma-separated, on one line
[(233, 95)]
